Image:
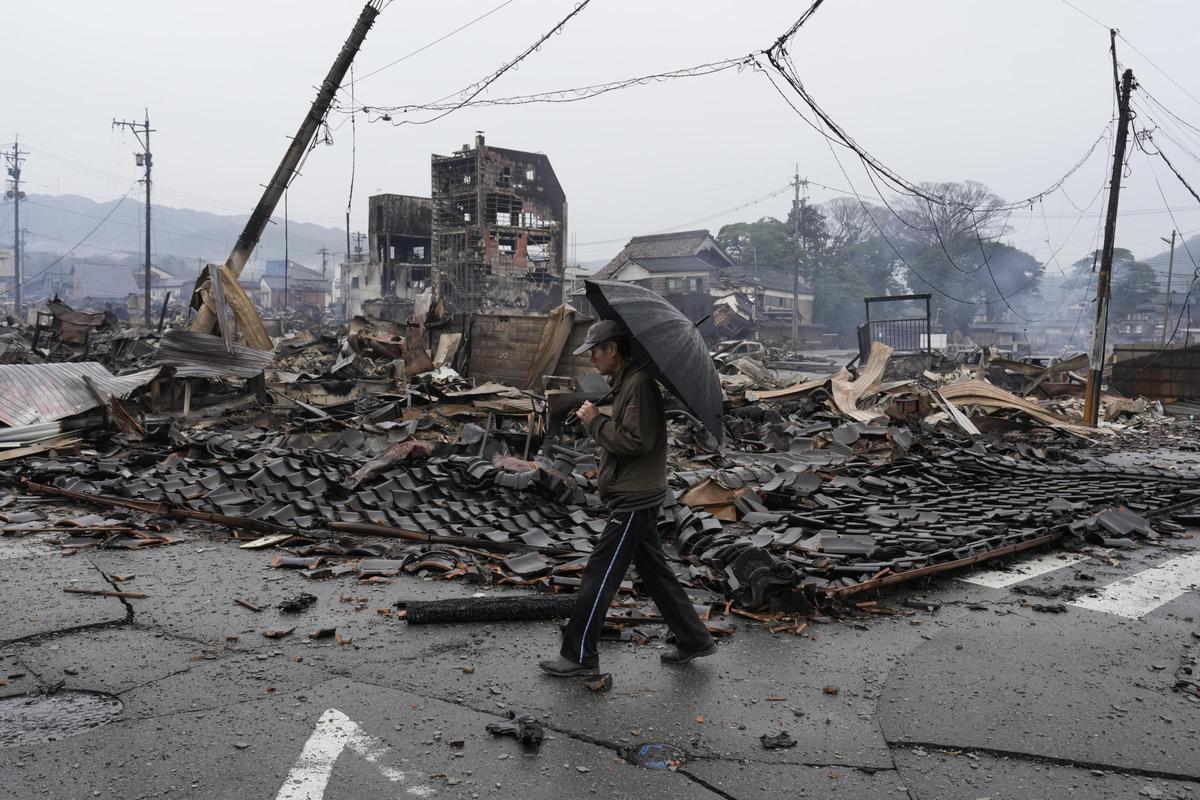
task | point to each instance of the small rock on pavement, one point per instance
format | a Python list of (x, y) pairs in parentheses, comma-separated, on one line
[(601, 683)]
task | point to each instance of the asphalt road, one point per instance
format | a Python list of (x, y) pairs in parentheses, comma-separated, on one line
[(978, 696)]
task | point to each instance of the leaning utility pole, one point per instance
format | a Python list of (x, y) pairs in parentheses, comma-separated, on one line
[(248, 240), (1091, 397), (1170, 270), (16, 195), (143, 160)]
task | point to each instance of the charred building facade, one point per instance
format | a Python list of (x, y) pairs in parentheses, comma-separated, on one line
[(399, 259), (399, 233), (499, 229)]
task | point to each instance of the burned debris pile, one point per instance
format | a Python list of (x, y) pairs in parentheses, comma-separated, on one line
[(353, 452)]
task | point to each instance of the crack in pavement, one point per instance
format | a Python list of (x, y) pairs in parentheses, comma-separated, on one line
[(891, 754), (243, 701), (107, 579), (1017, 755), (45, 635)]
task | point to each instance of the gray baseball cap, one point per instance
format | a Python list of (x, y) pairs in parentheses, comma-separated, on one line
[(600, 333)]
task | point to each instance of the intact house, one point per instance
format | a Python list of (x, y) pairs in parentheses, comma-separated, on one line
[(682, 267), (286, 284)]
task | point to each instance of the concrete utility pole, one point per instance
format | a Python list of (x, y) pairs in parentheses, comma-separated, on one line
[(143, 160), (324, 251), (798, 208), (1091, 397), (287, 261), (16, 195), (1170, 270)]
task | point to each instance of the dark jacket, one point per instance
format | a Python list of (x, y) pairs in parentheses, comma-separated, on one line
[(633, 461)]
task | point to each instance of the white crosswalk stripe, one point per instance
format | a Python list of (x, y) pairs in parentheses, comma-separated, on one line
[(1139, 594), (1023, 570), (1132, 597)]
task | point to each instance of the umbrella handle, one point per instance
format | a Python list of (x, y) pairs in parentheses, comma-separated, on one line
[(572, 417)]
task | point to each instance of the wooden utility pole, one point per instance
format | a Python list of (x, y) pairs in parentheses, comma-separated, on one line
[(1170, 271), (143, 160), (1091, 397), (16, 195)]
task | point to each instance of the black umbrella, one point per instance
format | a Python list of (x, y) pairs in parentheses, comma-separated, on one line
[(667, 342)]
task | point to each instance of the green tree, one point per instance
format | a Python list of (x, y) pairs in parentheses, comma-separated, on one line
[(767, 241), (952, 249), (1134, 283)]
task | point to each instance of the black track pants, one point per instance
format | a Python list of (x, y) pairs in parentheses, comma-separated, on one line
[(630, 536)]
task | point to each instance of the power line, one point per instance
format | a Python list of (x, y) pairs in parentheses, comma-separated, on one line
[(439, 40), (474, 90), (1084, 13), (1161, 71), (671, 228), (574, 94)]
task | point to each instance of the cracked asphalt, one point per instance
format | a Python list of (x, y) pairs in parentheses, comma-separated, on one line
[(980, 697)]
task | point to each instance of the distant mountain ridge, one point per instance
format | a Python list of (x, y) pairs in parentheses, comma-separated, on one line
[(56, 222), (1184, 268)]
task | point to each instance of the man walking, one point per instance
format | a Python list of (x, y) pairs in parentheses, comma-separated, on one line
[(633, 483)]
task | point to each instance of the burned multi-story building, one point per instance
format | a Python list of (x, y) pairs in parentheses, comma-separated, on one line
[(399, 259), (399, 234), (499, 229)]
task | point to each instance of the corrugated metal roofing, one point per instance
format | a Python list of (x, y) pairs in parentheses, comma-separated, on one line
[(202, 355), (34, 393)]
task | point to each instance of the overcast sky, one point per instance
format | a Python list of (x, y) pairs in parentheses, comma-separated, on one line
[(1010, 93)]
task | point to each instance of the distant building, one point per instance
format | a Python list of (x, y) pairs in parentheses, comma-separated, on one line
[(669, 263), (8, 268), (499, 229), (291, 285), (163, 283), (770, 289), (1145, 323), (400, 229), (96, 284)]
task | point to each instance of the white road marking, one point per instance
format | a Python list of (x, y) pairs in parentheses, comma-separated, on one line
[(334, 733), (1139, 594), (1023, 571)]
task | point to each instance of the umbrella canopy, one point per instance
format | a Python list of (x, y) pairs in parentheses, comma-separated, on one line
[(666, 341)]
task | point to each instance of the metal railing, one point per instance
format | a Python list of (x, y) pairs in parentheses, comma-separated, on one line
[(911, 334)]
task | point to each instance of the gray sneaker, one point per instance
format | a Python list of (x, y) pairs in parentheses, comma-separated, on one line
[(563, 667)]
